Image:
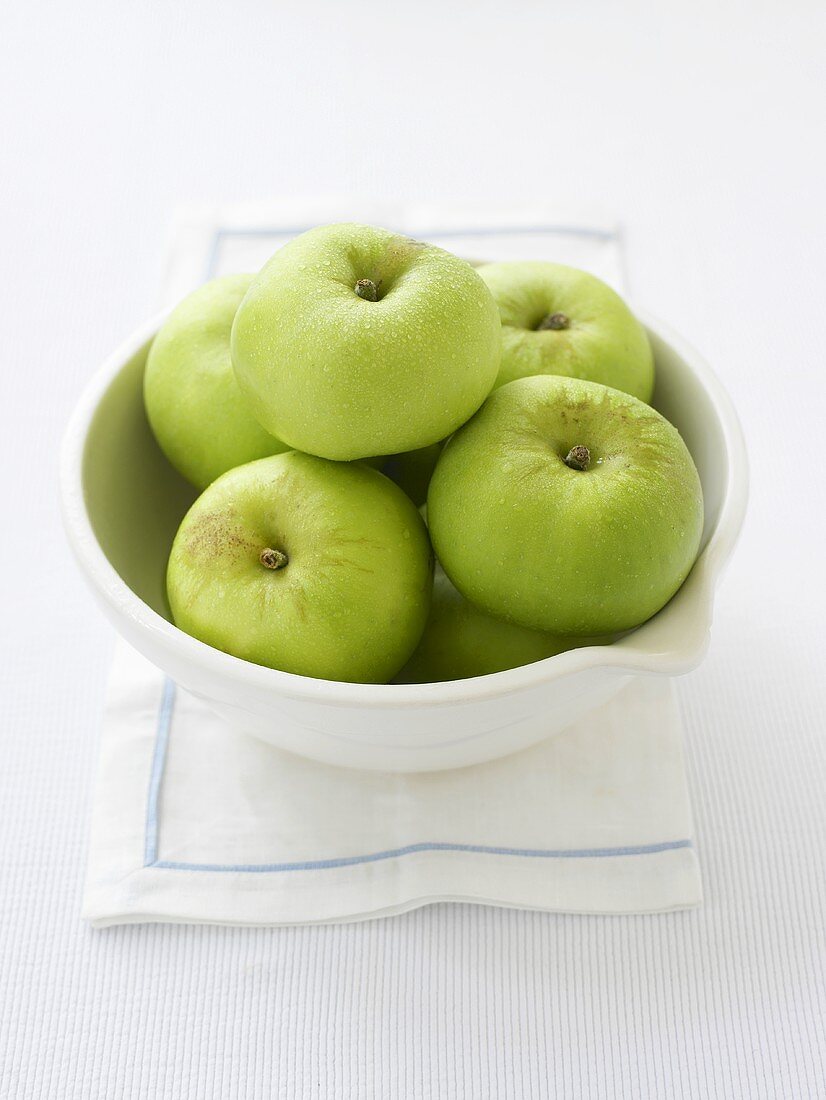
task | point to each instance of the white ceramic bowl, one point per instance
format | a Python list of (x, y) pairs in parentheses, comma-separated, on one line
[(122, 503)]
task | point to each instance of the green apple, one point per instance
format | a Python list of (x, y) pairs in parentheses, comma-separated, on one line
[(566, 506), (312, 567), (560, 320), (196, 410), (413, 470), (354, 341), (460, 640)]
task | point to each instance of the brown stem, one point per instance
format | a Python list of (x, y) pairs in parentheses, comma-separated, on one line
[(273, 559), (554, 321), (367, 289), (578, 458)]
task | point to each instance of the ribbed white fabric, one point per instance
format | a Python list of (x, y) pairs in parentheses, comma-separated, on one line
[(699, 125)]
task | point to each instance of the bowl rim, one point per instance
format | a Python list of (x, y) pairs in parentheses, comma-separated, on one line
[(629, 654)]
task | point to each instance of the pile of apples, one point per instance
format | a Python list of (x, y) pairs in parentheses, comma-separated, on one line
[(368, 407)]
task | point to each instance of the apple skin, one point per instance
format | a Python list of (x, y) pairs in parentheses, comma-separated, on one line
[(569, 551), (352, 599), (196, 410), (341, 377), (460, 641), (603, 341), (413, 470)]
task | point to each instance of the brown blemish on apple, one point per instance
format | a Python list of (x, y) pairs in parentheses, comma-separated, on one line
[(214, 534)]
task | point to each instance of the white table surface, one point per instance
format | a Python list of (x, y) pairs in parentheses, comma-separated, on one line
[(701, 126)]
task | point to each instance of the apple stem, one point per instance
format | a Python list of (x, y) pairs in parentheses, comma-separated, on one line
[(273, 559), (578, 458), (367, 289), (554, 321)]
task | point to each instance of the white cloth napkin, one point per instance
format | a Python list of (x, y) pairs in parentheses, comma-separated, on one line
[(197, 822)]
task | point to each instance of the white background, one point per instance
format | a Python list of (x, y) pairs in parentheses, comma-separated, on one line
[(701, 126)]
